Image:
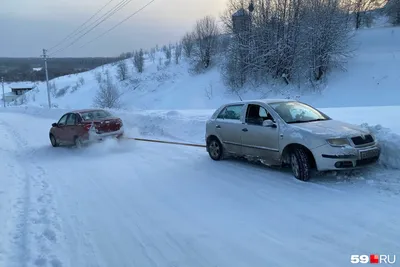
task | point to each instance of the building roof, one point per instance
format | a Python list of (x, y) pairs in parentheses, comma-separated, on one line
[(240, 12), (20, 85)]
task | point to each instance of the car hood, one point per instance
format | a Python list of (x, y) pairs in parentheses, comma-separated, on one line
[(331, 128)]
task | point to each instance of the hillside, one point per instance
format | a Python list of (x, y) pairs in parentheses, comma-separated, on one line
[(371, 79)]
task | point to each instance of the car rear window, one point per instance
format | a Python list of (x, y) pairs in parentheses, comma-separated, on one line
[(95, 115)]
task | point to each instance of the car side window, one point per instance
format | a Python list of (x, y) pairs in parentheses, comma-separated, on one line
[(257, 114), (63, 120), (71, 119), (231, 112)]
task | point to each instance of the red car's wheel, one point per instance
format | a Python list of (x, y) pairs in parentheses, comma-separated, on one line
[(53, 141)]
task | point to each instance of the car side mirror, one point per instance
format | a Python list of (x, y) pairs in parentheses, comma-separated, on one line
[(55, 124), (269, 123)]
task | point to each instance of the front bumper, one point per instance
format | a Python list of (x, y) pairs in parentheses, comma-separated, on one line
[(337, 158)]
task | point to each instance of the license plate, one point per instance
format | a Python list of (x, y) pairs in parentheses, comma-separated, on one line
[(369, 153)]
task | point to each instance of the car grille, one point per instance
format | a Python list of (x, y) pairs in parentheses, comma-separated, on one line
[(358, 140), (362, 162)]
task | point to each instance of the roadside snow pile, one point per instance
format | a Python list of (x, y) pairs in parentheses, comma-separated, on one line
[(390, 144)]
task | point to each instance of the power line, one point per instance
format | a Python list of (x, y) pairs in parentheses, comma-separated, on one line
[(118, 7), (115, 26), (83, 24)]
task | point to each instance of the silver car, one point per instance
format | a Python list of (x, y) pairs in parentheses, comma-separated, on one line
[(288, 133)]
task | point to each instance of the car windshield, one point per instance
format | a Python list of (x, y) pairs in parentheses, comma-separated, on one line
[(95, 115), (296, 112)]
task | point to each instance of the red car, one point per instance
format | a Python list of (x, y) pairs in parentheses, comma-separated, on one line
[(83, 126)]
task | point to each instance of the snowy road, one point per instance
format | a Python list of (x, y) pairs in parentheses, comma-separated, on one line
[(144, 204)]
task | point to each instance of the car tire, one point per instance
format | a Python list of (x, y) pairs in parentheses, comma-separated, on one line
[(300, 163), (78, 142), (215, 149), (53, 141)]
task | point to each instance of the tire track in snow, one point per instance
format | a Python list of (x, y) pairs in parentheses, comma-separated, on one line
[(19, 240), (38, 227)]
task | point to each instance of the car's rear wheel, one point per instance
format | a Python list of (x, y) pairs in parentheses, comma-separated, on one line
[(215, 149), (300, 164), (78, 142), (53, 141)]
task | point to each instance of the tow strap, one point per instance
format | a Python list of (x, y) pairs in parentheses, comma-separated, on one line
[(164, 142)]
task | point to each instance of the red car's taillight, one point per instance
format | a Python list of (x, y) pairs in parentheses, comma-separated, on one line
[(87, 127)]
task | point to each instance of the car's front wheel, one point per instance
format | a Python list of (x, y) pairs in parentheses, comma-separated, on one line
[(215, 149), (53, 141), (300, 164)]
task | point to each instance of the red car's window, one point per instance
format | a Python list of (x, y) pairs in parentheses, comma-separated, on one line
[(95, 115)]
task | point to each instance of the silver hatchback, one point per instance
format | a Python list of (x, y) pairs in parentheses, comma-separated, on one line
[(288, 133)]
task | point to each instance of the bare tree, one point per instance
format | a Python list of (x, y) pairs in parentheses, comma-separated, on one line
[(168, 53), (392, 9), (188, 44), (108, 95), (99, 77), (152, 54), (361, 10), (138, 61), (291, 40), (122, 70), (178, 53), (206, 41)]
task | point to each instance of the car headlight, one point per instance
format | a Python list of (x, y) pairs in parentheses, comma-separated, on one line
[(338, 142)]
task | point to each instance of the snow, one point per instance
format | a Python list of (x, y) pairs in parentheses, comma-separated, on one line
[(132, 203)]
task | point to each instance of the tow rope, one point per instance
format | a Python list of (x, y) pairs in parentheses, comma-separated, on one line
[(164, 142)]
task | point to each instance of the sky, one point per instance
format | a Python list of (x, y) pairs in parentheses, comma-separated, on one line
[(28, 26)]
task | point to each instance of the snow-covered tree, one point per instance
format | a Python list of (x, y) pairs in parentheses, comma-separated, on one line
[(361, 8), (108, 95), (205, 36), (187, 44), (392, 9), (122, 70), (178, 53), (138, 61), (291, 40)]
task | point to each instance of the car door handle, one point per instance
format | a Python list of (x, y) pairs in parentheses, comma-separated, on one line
[(245, 130), (218, 126)]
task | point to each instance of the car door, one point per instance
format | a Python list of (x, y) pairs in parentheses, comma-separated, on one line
[(70, 128), (60, 133), (258, 140), (228, 126)]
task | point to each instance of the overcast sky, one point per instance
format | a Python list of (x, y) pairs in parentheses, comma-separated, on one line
[(28, 26)]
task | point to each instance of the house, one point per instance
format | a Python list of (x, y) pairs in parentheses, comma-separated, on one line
[(241, 19), (17, 91)]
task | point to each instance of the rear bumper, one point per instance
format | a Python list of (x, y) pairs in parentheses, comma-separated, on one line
[(95, 137), (335, 158)]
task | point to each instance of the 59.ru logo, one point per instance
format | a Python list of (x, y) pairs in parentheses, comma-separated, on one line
[(373, 259)]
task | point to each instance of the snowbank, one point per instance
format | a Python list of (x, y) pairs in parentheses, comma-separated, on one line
[(390, 144)]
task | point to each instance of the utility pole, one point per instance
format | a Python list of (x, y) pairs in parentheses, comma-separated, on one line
[(2, 86), (47, 77)]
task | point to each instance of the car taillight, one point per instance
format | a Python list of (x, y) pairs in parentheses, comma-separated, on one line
[(87, 127)]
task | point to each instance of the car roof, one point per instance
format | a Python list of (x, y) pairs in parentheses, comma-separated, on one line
[(260, 101), (84, 110)]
